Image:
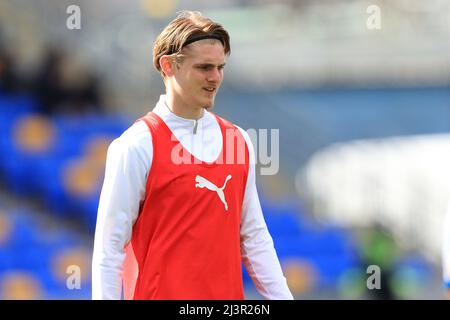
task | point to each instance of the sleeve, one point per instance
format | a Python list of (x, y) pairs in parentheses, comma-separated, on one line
[(123, 190), (257, 249), (446, 250)]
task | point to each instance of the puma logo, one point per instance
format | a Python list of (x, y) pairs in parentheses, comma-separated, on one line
[(204, 183)]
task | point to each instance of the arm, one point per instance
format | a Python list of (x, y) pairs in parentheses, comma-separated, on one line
[(128, 160), (257, 249)]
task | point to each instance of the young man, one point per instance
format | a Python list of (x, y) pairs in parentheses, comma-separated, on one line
[(176, 217)]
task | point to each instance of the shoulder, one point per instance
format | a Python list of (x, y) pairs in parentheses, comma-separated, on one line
[(245, 135), (243, 132), (226, 122), (136, 139)]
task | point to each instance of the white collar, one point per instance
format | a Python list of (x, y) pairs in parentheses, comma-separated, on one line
[(175, 122), (162, 110)]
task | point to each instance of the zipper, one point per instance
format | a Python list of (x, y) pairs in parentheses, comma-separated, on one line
[(195, 126)]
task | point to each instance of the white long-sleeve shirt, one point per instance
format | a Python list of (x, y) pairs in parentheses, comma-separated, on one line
[(128, 163)]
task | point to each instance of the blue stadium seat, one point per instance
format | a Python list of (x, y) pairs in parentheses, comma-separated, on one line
[(331, 268), (20, 284), (329, 250), (303, 245), (17, 104), (23, 233), (24, 149), (6, 259), (89, 208), (93, 124), (283, 224)]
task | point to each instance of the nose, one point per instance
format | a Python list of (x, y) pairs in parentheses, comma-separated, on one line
[(215, 75)]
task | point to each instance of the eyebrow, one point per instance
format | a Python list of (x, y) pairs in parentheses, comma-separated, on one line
[(208, 65)]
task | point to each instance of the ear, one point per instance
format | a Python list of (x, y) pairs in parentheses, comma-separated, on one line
[(167, 66)]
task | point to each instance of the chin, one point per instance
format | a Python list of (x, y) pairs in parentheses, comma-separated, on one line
[(209, 104)]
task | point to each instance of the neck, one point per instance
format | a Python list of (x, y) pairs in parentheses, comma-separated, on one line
[(182, 109)]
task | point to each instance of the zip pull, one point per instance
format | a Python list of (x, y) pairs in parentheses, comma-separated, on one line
[(195, 126)]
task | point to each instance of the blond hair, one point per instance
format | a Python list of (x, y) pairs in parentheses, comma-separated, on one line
[(183, 30)]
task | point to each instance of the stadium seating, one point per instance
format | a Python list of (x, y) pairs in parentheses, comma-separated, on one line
[(35, 257)]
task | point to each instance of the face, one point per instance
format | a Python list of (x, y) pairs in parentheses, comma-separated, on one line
[(197, 77)]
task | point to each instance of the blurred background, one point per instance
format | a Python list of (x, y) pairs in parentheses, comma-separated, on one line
[(363, 114)]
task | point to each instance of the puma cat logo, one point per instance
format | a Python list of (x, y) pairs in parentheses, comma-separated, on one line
[(204, 183)]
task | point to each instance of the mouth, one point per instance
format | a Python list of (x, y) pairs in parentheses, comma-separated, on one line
[(210, 89)]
